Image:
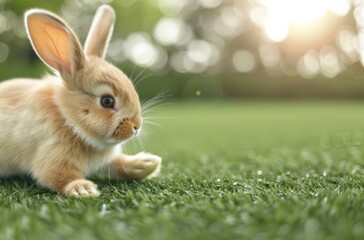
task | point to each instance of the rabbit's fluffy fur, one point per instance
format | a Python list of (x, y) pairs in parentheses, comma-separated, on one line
[(56, 129)]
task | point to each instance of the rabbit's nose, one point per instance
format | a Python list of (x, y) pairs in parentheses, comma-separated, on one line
[(136, 130)]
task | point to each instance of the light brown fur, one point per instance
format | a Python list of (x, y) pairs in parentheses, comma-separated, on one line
[(56, 130)]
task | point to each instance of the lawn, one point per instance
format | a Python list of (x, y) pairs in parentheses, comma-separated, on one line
[(231, 170)]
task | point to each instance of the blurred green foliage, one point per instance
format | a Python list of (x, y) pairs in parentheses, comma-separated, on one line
[(222, 79)]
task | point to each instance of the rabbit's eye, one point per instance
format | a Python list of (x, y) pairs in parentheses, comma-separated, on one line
[(107, 101)]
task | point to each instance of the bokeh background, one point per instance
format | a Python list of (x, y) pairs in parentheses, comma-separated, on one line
[(227, 49)]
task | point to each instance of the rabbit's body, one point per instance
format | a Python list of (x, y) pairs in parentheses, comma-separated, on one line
[(62, 128), (16, 137)]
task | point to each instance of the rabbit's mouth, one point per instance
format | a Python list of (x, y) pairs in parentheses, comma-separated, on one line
[(126, 130)]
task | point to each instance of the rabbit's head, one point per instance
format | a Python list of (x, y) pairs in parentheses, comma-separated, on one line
[(96, 99)]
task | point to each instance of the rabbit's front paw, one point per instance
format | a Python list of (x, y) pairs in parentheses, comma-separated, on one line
[(142, 166), (81, 188)]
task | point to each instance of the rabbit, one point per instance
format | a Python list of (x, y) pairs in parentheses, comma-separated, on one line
[(66, 126)]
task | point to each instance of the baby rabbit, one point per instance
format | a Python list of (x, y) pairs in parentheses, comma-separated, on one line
[(64, 127)]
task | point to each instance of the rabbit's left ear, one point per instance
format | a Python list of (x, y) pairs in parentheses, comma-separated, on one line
[(54, 42), (100, 32)]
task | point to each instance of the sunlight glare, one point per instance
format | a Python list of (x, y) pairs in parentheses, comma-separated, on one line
[(339, 7), (276, 29), (284, 14)]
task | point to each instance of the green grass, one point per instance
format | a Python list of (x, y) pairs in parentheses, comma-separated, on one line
[(248, 170)]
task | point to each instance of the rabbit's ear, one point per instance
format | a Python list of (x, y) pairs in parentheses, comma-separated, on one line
[(100, 32), (54, 42)]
